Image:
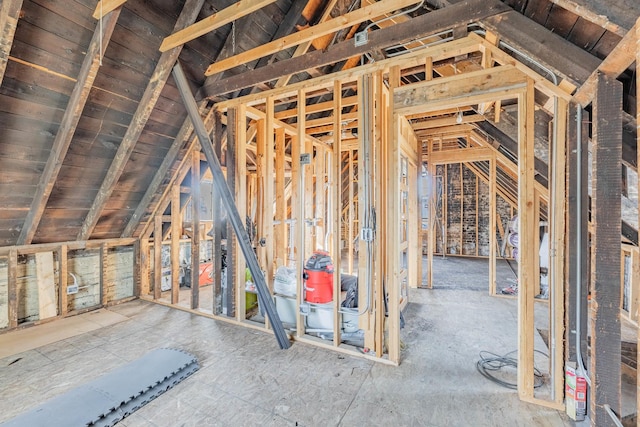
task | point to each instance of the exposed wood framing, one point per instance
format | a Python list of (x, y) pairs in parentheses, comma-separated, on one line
[(145, 286), (136, 126), (616, 62), (232, 245), (157, 257), (9, 15), (106, 6), (423, 25), (195, 229), (63, 271), (280, 234), (605, 240), (241, 203), (526, 259), (237, 10), (309, 34), (12, 278), (67, 128), (298, 204), (176, 233), (334, 210)]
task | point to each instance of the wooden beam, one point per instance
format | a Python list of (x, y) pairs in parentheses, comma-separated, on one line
[(195, 229), (605, 252), (280, 235), (462, 155), (138, 121), (344, 21), (237, 10), (9, 15), (232, 244), (335, 207), (614, 16), (616, 62), (106, 6), (550, 49), (68, 125), (429, 23), (145, 257), (447, 121), (503, 82), (297, 205), (304, 47)]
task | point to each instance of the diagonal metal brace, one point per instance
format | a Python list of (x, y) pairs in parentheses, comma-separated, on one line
[(228, 201)]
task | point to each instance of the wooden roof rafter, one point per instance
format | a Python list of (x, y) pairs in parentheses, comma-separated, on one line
[(145, 107), (70, 119), (9, 14)]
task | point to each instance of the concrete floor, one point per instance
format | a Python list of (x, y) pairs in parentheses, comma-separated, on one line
[(245, 379)]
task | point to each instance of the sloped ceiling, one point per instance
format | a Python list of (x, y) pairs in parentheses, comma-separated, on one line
[(51, 41)]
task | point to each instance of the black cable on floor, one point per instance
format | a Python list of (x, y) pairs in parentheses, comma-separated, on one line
[(491, 362)]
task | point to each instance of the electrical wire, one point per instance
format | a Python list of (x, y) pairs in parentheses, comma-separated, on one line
[(491, 362)]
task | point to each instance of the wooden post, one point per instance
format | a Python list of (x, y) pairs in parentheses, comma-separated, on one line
[(104, 295), (556, 275), (12, 278), (241, 203), (351, 217), (380, 179), (280, 235), (526, 258), (493, 244), (299, 207), (269, 192), (195, 229), (393, 233), (218, 225), (47, 302), (319, 215), (145, 285), (335, 207), (232, 245), (157, 256), (176, 232), (431, 226), (62, 279), (605, 275)]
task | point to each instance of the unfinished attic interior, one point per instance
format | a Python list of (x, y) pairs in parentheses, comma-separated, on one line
[(319, 212)]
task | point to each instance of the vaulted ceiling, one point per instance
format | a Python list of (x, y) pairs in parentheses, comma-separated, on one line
[(90, 135)]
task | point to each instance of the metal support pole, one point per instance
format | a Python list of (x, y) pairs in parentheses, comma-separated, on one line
[(227, 199)]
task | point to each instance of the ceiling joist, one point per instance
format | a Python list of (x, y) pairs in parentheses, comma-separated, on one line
[(328, 27), (210, 23)]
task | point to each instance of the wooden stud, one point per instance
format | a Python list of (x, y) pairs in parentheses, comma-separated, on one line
[(176, 234), (269, 192), (12, 278), (232, 241), (280, 235), (62, 280), (335, 207), (47, 301), (218, 224), (431, 243), (104, 294), (241, 203), (393, 234), (195, 229), (493, 244), (298, 196), (605, 241), (527, 259), (211, 22), (157, 254), (380, 179), (145, 285), (637, 52), (351, 219), (319, 206)]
